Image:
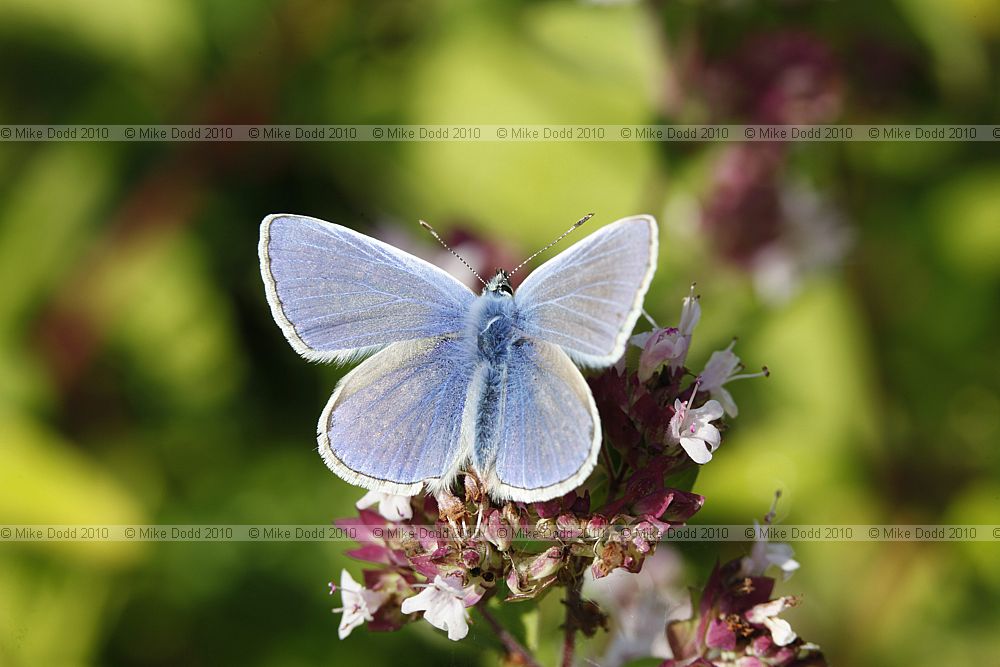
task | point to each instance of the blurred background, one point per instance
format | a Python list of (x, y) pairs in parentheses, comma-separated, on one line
[(143, 380)]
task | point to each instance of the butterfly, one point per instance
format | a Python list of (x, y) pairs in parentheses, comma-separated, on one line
[(454, 380)]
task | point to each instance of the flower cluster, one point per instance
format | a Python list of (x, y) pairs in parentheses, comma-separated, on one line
[(778, 228), (738, 623), (437, 556)]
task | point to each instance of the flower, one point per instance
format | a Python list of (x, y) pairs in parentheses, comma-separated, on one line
[(392, 507), (359, 604), (668, 346), (642, 604), (663, 346), (691, 428), (720, 369), (443, 605), (765, 554), (766, 614)]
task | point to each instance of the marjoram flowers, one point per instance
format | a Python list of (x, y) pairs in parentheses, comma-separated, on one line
[(438, 556)]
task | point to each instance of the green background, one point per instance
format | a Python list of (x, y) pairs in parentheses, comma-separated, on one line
[(143, 380)]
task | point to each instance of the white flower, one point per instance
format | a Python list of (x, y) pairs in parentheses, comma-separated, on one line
[(358, 602), (392, 507), (443, 605), (643, 604), (691, 428), (766, 614), (764, 554), (720, 369), (690, 313)]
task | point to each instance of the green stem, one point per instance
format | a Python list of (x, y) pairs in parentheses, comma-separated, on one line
[(572, 603), (514, 647)]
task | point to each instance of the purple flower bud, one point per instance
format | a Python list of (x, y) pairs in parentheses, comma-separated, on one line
[(761, 645), (720, 635), (596, 527), (497, 531), (548, 509), (783, 656), (568, 526), (654, 504), (545, 564), (471, 558)]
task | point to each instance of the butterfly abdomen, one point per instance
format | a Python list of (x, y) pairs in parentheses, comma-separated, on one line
[(492, 327)]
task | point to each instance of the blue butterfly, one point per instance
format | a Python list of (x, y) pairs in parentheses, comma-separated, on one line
[(456, 380)]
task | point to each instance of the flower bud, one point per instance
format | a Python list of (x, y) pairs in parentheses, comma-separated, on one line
[(568, 526), (471, 558), (597, 526), (497, 531), (545, 564), (609, 556)]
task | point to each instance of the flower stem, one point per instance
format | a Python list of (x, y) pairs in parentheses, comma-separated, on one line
[(514, 647), (572, 603)]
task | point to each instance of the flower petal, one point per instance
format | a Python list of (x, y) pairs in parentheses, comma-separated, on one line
[(696, 449), (711, 411), (347, 582), (781, 631), (709, 434), (728, 404), (419, 602), (395, 508), (369, 499)]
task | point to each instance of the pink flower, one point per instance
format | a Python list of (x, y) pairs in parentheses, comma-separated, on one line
[(668, 346), (691, 428)]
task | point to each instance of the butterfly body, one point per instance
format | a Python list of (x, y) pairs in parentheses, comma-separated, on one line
[(458, 381), (494, 325)]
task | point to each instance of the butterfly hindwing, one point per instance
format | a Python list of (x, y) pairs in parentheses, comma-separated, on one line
[(547, 431), (337, 293), (397, 419), (587, 298)]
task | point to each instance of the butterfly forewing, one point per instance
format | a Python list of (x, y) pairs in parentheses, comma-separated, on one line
[(337, 293), (587, 298)]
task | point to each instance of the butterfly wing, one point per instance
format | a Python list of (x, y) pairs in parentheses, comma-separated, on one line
[(398, 418), (547, 430), (337, 294), (587, 298)]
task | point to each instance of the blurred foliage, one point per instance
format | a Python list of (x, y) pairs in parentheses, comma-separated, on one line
[(144, 381)]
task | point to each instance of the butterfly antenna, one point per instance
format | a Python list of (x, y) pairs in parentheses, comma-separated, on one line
[(561, 237), (448, 248)]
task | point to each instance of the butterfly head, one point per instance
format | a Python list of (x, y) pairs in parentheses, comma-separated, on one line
[(499, 284)]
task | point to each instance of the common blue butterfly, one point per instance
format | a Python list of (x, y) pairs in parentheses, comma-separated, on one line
[(456, 379)]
